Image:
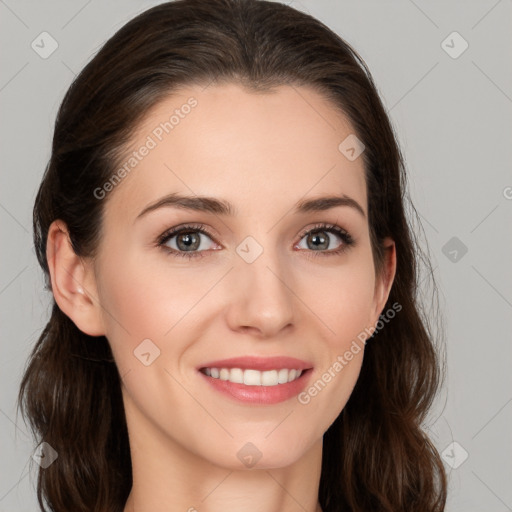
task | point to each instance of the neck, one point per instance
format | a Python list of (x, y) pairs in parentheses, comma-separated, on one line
[(167, 478)]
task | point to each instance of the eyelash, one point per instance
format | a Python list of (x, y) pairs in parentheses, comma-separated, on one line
[(346, 238)]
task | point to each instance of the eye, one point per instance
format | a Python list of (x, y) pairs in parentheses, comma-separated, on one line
[(187, 241), (320, 238)]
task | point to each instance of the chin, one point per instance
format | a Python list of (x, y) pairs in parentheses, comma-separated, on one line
[(264, 454)]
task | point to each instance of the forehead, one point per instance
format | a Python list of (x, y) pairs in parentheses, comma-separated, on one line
[(260, 151)]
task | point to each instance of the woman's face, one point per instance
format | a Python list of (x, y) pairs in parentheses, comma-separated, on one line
[(267, 279)]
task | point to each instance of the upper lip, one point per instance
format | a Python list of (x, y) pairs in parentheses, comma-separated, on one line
[(259, 363)]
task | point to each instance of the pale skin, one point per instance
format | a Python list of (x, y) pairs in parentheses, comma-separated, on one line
[(263, 153)]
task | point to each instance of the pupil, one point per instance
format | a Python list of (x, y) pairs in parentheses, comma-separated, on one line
[(190, 240), (324, 242)]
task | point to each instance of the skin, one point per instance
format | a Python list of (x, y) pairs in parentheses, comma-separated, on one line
[(262, 153)]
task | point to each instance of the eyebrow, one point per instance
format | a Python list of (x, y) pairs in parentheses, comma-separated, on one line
[(222, 207)]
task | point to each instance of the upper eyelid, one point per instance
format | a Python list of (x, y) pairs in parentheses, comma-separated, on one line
[(202, 230), (328, 226)]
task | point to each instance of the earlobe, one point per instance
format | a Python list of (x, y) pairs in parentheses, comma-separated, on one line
[(384, 282), (73, 284)]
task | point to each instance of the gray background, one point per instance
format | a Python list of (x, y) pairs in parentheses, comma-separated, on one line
[(453, 119)]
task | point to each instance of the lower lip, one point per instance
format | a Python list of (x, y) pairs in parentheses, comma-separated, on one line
[(260, 394)]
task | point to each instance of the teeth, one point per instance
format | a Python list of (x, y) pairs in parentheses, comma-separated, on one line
[(283, 376), (254, 377), (269, 378), (236, 375)]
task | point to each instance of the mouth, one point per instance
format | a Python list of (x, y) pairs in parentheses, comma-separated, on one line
[(252, 377), (257, 380)]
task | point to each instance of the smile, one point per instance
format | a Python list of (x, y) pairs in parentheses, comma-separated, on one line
[(251, 377)]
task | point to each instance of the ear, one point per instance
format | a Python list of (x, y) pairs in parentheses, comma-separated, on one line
[(384, 282), (73, 282)]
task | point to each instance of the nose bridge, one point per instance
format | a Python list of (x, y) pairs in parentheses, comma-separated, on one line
[(264, 298)]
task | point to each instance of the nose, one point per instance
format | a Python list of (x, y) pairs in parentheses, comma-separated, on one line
[(261, 297)]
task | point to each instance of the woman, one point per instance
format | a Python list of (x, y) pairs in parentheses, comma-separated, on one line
[(235, 323)]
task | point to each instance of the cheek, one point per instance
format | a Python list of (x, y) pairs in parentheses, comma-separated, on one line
[(342, 298), (343, 303), (139, 304), (145, 299)]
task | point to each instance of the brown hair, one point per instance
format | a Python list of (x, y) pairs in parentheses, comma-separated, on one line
[(376, 455)]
